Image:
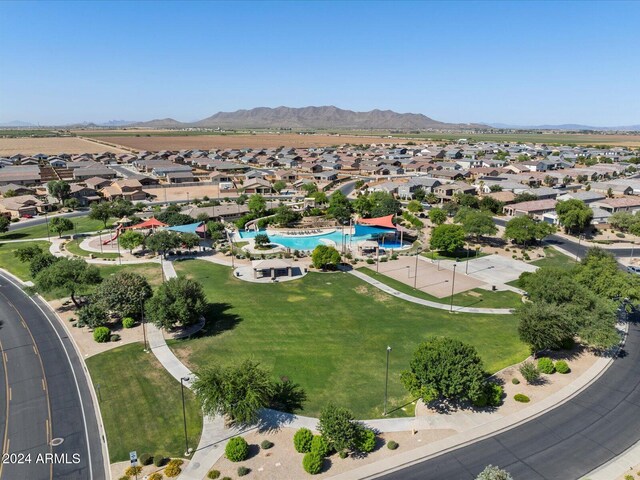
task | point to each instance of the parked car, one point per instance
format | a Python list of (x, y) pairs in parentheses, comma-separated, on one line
[(632, 269), (26, 215)]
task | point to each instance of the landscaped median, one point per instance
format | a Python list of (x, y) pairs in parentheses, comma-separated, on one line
[(329, 333)]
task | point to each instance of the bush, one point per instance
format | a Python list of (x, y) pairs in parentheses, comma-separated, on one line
[(568, 344), (155, 476), (392, 445), (629, 477), (343, 454), (237, 449), (101, 334), (370, 261), (302, 440), (545, 365), (494, 473), (172, 469), (266, 445), (213, 474), (515, 381), (242, 471), (312, 463), (125, 477), (226, 478), (320, 446), (158, 459), (519, 397), (114, 338), (529, 371), (490, 397), (128, 322), (146, 459), (132, 471), (562, 367), (366, 441)]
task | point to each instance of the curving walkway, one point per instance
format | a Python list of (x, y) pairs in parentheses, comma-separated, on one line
[(427, 303)]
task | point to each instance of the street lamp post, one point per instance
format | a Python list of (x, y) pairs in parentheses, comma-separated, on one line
[(46, 218), (466, 267), (119, 256), (415, 275), (453, 283), (386, 381), (100, 237), (144, 329), (578, 249), (633, 244), (184, 416)]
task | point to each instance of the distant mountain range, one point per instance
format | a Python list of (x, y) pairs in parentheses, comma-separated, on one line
[(327, 117), (565, 126), (312, 117)]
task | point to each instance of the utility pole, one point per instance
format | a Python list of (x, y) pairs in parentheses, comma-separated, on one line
[(453, 283), (386, 382)]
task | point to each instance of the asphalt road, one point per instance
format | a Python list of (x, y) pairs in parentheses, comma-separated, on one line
[(568, 442), (44, 396)]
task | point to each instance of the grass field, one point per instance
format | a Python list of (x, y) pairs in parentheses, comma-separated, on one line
[(478, 297), (553, 258), (8, 259), (329, 332), (82, 225), (73, 246), (141, 404)]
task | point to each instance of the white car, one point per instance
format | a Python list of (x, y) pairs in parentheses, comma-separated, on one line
[(632, 269)]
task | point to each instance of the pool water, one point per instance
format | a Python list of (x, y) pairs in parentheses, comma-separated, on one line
[(309, 242)]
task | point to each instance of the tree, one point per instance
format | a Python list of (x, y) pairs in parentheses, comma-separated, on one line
[(309, 188), (285, 216), (26, 254), (325, 257), (279, 186), (419, 194), (242, 199), (100, 211), (59, 189), (177, 301), (599, 273), (320, 198), (124, 294), (92, 316), (414, 206), (495, 188), (574, 215), (38, 259), (466, 200), (490, 204), (494, 473), (130, 239), (623, 221), (72, 275), (4, 224), (431, 198), (257, 204), (543, 325), (189, 240), (524, 229), (447, 238), (173, 216), (339, 207), (437, 216), (121, 208), (476, 223), (237, 392), (383, 204), (261, 240), (445, 369), (162, 241), (216, 230), (71, 203), (10, 193), (524, 197), (339, 427), (60, 225), (363, 205)]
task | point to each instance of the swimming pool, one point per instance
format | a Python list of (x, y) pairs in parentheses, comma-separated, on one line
[(309, 242)]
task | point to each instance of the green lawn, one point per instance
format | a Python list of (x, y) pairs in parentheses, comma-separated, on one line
[(141, 404), (553, 258), (73, 246), (8, 259), (151, 271), (477, 297), (460, 255), (329, 332), (82, 225)]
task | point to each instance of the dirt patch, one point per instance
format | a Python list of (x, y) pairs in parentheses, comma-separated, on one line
[(52, 146), (118, 469)]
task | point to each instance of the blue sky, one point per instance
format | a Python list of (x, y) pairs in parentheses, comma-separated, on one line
[(508, 62)]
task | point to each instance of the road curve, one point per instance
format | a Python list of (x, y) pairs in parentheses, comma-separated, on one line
[(48, 396), (568, 442)]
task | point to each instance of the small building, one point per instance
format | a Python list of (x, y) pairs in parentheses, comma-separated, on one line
[(272, 268)]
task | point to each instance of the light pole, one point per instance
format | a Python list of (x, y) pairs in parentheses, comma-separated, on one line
[(144, 329), (453, 283), (415, 274), (466, 267), (578, 249), (184, 415), (46, 218), (386, 382), (378, 258), (100, 237), (119, 256), (633, 244)]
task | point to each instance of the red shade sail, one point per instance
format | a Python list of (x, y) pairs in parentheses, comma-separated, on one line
[(384, 222)]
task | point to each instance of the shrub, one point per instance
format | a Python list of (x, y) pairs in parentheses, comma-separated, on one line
[(515, 381), (158, 459), (266, 445), (494, 473), (237, 449), (392, 445), (101, 334), (226, 478), (519, 397), (146, 459), (491, 396), (366, 440), (172, 469), (568, 344), (545, 365), (242, 471), (562, 367), (155, 476), (125, 477), (343, 454), (370, 261), (128, 322), (312, 463), (132, 471), (320, 446), (213, 474), (628, 477), (529, 371), (302, 440), (114, 338)]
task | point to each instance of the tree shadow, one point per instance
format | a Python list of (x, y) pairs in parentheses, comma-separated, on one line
[(326, 465), (13, 236), (217, 320), (402, 406), (254, 451)]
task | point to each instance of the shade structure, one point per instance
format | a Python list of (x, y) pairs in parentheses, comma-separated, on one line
[(151, 223), (189, 228), (383, 222)]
